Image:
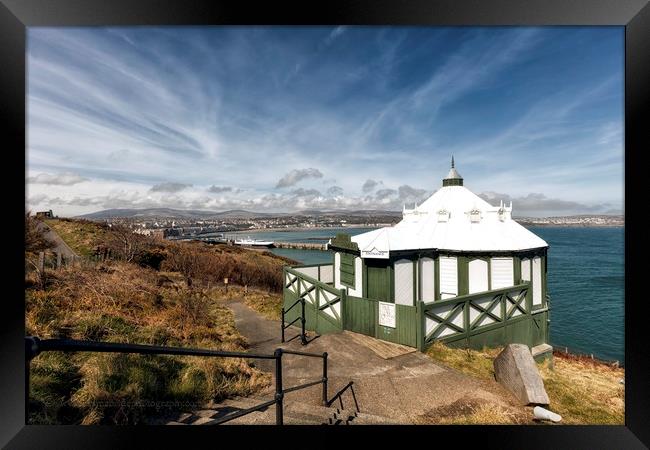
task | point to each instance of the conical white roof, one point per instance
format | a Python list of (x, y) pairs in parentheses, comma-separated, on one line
[(453, 218)]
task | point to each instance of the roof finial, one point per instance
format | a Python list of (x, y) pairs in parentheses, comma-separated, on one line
[(453, 178)]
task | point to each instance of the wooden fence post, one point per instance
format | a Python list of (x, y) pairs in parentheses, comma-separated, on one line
[(41, 262), (58, 261)]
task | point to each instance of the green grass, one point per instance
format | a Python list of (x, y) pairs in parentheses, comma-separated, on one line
[(81, 236), (268, 304), (581, 391)]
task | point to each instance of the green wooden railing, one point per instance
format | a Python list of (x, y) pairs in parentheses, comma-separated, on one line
[(469, 315), (320, 299)]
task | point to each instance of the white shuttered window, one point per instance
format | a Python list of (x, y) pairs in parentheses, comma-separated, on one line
[(537, 280), (502, 273), (404, 282), (427, 280), (448, 276), (525, 269), (478, 276)]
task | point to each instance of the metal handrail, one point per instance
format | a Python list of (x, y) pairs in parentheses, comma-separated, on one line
[(34, 346), (303, 338), (314, 355), (294, 304), (340, 393)]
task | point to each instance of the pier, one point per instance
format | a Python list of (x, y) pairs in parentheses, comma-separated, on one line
[(301, 245)]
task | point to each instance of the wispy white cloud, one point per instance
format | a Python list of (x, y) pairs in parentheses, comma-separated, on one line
[(239, 108), (63, 179)]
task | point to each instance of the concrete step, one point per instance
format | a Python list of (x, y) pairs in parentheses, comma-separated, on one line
[(372, 419), (295, 413)]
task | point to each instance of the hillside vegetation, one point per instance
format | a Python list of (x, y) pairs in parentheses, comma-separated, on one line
[(148, 292), (581, 390)]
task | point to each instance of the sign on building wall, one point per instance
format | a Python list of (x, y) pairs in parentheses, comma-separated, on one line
[(387, 314)]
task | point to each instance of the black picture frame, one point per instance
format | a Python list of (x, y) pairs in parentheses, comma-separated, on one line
[(634, 15)]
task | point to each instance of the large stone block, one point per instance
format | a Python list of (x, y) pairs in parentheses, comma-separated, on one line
[(515, 369)]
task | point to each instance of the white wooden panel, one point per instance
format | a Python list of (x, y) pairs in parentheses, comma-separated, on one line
[(448, 276), (473, 314), (358, 280), (404, 282), (483, 302), (326, 297), (430, 324), (458, 318), (445, 332), (427, 280), (486, 320), (337, 271), (478, 276), (329, 312), (337, 308), (502, 273), (525, 269), (327, 273), (293, 287), (309, 271), (537, 280)]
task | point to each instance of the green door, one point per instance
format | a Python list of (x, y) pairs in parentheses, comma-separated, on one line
[(378, 280)]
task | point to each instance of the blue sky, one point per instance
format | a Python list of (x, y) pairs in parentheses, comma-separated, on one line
[(289, 118)]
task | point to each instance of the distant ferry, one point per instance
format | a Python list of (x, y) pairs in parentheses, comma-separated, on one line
[(253, 242)]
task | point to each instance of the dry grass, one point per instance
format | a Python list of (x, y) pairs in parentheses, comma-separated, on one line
[(82, 236), (582, 391), (467, 411), (169, 296), (269, 304), (585, 392), (122, 302)]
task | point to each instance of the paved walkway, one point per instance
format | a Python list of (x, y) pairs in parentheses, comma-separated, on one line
[(403, 387), (61, 246)]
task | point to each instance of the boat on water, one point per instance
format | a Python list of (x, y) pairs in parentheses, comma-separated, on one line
[(248, 242)]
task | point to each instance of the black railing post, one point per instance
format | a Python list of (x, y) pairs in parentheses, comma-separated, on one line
[(27, 364), (325, 379), (282, 324), (279, 395), (32, 349), (303, 339)]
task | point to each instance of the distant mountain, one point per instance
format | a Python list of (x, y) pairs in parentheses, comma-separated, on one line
[(338, 212)]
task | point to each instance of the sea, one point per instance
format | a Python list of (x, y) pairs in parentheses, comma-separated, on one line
[(586, 279)]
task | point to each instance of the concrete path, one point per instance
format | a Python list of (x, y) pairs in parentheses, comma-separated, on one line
[(61, 246), (401, 388)]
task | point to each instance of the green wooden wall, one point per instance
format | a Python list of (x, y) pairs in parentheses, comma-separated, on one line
[(360, 314)]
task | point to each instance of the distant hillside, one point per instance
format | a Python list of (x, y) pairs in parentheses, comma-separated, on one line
[(172, 213), (235, 213), (356, 213)]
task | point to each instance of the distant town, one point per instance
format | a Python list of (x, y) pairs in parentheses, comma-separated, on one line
[(171, 223)]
